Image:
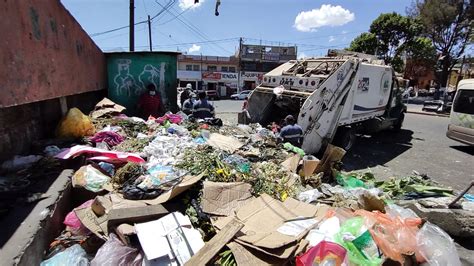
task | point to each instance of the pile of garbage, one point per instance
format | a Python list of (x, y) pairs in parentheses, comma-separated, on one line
[(170, 191)]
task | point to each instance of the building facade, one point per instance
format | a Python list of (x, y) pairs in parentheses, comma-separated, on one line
[(256, 60), (208, 73)]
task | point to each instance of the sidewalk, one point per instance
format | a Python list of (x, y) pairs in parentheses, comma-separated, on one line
[(416, 109)]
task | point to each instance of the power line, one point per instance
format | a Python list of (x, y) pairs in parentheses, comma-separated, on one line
[(169, 4), (191, 27)]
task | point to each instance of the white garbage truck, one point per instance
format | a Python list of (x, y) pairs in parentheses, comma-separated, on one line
[(334, 98)]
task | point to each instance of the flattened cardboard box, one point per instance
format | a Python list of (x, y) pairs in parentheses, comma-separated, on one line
[(221, 198), (265, 218)]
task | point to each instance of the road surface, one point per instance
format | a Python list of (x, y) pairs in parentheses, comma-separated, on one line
[(421, 145)]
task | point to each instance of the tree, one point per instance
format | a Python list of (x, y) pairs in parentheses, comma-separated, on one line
[(389, 36), (421, 58), (365, 43), (448, 23)]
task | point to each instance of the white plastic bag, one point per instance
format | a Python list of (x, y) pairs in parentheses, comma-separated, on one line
[(114, 252), (436, 246), (73, 255), (309, 195)]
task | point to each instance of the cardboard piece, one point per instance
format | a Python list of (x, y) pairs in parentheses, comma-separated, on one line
[(135, 214), (106, 107), (273, 214), (291, 163), (225, 143), (211, 248), (99, 224), (101, 205), (248, 256), (221, 198), (171, 239), (331, 155), (124, 231)]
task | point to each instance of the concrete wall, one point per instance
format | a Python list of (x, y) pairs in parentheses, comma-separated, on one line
[(45, 56)]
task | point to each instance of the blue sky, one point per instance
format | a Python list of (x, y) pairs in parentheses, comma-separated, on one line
[(314, 26)]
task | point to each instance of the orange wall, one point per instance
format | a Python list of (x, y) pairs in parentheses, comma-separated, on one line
[(45, 54)]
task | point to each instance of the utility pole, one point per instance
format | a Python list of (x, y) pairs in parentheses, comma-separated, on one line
[(132, 25), (239, 69), (149, 33)]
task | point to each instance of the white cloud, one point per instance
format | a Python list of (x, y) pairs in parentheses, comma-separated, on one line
[(185, 4), (326, 15), (194, 48), (332, 38), (344, 32)]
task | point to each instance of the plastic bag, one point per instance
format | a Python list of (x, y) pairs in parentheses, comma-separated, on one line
[(113, 252), (396, 211), (75, 125), (73, 223), (436, 246), (89, 178), (74, 255), (361, 248), (325, 253), (394, 236), (349, 181), (310, 195)]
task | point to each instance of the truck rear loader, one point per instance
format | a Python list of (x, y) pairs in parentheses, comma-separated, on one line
[(332, 97)]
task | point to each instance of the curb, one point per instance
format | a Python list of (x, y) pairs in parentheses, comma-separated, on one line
[(426, 113)]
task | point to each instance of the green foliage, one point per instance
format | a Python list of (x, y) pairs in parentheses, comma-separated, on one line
[(448, 24), (364, 43)]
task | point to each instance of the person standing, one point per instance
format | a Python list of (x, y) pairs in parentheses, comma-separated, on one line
[(203, 109), (149, 103), (186, 94), (292, 132)]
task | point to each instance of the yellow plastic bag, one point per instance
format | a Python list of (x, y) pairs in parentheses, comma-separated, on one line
[(75, 125)]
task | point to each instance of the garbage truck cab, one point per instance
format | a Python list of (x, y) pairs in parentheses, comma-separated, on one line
[(461, 126), (333, 97)]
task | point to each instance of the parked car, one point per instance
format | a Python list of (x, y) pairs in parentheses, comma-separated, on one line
[(241, 95), (461, 126)]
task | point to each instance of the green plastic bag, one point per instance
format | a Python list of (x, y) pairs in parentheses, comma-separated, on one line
[(360, 246), (349, 181), (290, 147)]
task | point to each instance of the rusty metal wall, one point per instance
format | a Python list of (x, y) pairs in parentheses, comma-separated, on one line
[(45, 54)]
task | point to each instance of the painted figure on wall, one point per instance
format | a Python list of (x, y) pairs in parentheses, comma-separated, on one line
[(149, 75), (124, 81)]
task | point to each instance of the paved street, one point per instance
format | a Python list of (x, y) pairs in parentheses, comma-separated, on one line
[(421, 145)]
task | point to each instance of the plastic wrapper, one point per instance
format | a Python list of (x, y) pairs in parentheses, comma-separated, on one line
[(74, 255), (394, 236), (360, 246), (75, 125), (310, 195), (237, 161), (325, 253), (396, 211), (114, 252), (89, 178), (107, 167), (436, 246), (73, 223)]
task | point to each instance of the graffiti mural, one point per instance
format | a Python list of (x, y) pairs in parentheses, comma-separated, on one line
[(130, 73)]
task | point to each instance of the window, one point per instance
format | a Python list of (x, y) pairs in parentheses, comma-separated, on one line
[(232, 69), (189, 67), (211, 68), (196, 67), (464, 102), (224, 69)]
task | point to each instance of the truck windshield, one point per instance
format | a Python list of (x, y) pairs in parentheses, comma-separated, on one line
[(464, 102)]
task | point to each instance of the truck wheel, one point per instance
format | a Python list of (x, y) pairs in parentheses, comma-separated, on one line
[(398, 125), (345, 138)]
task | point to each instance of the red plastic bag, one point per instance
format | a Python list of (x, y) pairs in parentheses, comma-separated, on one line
[(393, 236), (324, 253)]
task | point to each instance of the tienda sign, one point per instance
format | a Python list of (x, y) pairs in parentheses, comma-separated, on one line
[(211, 75)]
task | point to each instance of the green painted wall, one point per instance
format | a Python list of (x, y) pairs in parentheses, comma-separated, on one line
[(130, 73)]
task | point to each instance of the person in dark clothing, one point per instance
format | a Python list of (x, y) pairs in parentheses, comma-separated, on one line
[(203, 109), (187, 106), (149, 103), (186, 94), (292, 132)]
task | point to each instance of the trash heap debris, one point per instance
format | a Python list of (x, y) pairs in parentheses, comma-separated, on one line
[(169, 191)]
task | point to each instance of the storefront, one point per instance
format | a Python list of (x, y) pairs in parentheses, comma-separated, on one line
[(224, 83), (250, 80), (192, 77)]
